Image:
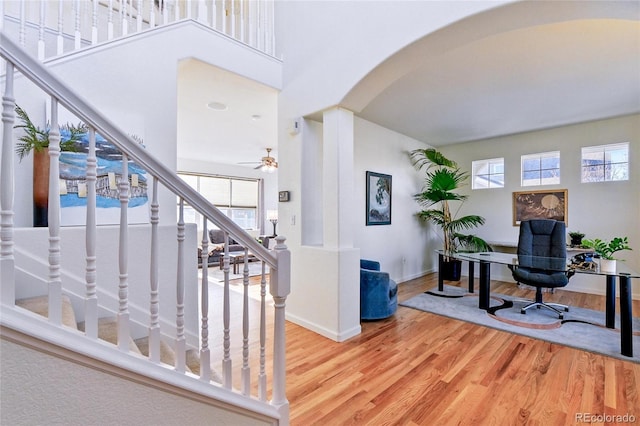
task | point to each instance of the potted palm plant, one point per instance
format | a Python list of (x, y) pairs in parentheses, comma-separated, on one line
[(443, 180), (37, 140)]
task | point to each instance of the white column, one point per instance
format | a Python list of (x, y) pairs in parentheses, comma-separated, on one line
[(339, 220), (337, 179)]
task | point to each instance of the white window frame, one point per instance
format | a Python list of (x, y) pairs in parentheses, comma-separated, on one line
[(610, 167), (488, 165), (227, 208), (541, 180)]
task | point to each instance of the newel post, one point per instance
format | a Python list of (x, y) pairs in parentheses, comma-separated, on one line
[(280, 287)]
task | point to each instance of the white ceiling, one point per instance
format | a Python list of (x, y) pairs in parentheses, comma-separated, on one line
[(516, 81), (228, 137), (521, 80)]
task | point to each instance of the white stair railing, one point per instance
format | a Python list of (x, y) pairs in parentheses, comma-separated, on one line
[(237, 382), (49, 28)]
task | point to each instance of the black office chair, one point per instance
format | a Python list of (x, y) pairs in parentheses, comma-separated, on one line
[(542, 258)]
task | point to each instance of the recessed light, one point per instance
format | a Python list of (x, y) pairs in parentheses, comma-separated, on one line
[(217, 106), (256, 117)]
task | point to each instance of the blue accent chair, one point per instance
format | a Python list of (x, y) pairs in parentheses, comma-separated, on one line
[(378, 292)]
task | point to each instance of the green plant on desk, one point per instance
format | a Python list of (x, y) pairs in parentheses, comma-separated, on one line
[(606, 249)]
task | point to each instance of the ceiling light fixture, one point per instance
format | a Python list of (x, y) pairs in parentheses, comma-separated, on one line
[(269, 164), (217, 106)]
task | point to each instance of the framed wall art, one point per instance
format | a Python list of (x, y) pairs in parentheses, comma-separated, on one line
[(378, 199), (544, 204)]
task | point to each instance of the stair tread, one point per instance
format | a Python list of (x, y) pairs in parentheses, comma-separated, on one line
[(108, 331), (40, 305)]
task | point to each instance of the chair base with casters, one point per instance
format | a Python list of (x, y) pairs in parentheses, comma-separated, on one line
[(555, 307), (378, 292)]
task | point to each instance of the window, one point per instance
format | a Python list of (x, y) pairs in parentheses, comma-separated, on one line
[(540, 169), (236, 197), (605, 163), (487, 173)]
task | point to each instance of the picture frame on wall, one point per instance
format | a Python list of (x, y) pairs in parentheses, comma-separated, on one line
[(378, 196), (542, 204)]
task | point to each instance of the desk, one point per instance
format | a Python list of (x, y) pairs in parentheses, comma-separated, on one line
[(622, 273)]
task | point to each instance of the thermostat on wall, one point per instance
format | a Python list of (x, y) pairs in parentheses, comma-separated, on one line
[(283, 196)]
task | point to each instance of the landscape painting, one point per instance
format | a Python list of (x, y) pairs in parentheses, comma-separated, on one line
[(545, 204)]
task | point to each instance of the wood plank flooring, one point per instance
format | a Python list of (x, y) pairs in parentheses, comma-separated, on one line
[(416, 368)]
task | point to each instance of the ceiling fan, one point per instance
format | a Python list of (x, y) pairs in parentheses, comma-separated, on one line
[(266, 164)]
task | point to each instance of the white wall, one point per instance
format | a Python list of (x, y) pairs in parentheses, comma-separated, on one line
[(31, 247), (404, 247), (38, 388), (600, 210), (134, 82), (325, 55)]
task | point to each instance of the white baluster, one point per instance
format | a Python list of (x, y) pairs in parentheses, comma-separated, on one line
[(164, 13), (246, 371), (41, 27), (110, 21), (279, 289), (154, 308), (180, 339), (262, 376), (91, 299), (224, 16), (55, 283), (188, 7), (123, 287), (176, 11), (232, 14), (2, 14), (77, 33), (152, 15), (260, 25), (202, 11), (251, 23), (60, 38), (94, 23), (271, 39), (23, 23), (214, 15), (124, 26), (7, 190), (243, 27), (139, 16), (205, 355), (226, 315)]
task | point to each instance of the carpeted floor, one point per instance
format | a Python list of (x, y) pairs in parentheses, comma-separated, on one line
[(581, 328)]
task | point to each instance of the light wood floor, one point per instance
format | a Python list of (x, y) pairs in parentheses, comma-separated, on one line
[(416, 368)]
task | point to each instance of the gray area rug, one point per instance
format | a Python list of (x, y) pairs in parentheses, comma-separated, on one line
[(581, 328)]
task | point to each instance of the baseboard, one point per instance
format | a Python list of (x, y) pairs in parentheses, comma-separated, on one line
[(414, 276), (330, 334)]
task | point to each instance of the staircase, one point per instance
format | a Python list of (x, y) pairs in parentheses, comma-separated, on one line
[(139, 344)]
